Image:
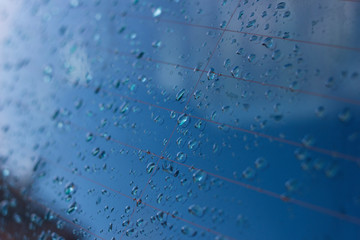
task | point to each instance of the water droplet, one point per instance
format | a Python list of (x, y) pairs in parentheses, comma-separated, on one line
[(286, 35), (213, 115), (157, 12), (159, 198), (156, 44), (17, 218), (78, 104), (130, 232), (199, 124), (48, 73), (180, 94), (140, 55), (251, 23), (135, 190), (4, 207), (73, 207), (125, 223), (268, 42), (127, 209), (345, 115), (260, 163), (248, 173), (197, 94), (276, 55), (188, 231), (291, 185), (253, 38), (211, 74), (241, 220), (196, 210), (59, 224), (308, 140), (227, 63), (223, 24), (235, 71), (139, 222), (102, 155), (281, 5), (193, 144), (251, 57), (121, 29), (240, 51), (70, 189), (89, 137), (124, 107), (160, 216), (167, 167), (150, 167), (241, 13), (95, 151), (215, 148), (332, 170), (287, 14), (183, 120), (181, 157), (179, 141), (199, 176), (172, 114)]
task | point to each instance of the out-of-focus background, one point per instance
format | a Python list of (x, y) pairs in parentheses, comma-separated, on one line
[(179, 119)]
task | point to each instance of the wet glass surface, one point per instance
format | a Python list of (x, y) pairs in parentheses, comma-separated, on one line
[(179, 119)]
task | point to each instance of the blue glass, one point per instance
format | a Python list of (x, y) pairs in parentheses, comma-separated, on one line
[(179, 119)]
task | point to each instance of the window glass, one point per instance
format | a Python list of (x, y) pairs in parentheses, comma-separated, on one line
[(179, 119)]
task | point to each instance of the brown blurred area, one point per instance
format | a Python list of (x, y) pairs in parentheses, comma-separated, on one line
[(23, 219)]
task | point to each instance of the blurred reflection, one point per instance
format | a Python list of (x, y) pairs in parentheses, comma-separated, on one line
[(22, 218)]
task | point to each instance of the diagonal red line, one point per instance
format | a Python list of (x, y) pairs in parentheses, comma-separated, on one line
[(299, 41), (331, 153), (270, 137), (124, 195), (248, 33), (248, 131), (301, 203), (89, 179), (316, 94), (139, 101), (295, 201), (192, 223), (310, 93), (189, 98), (65, 219), (334, 154), (106, 187)]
